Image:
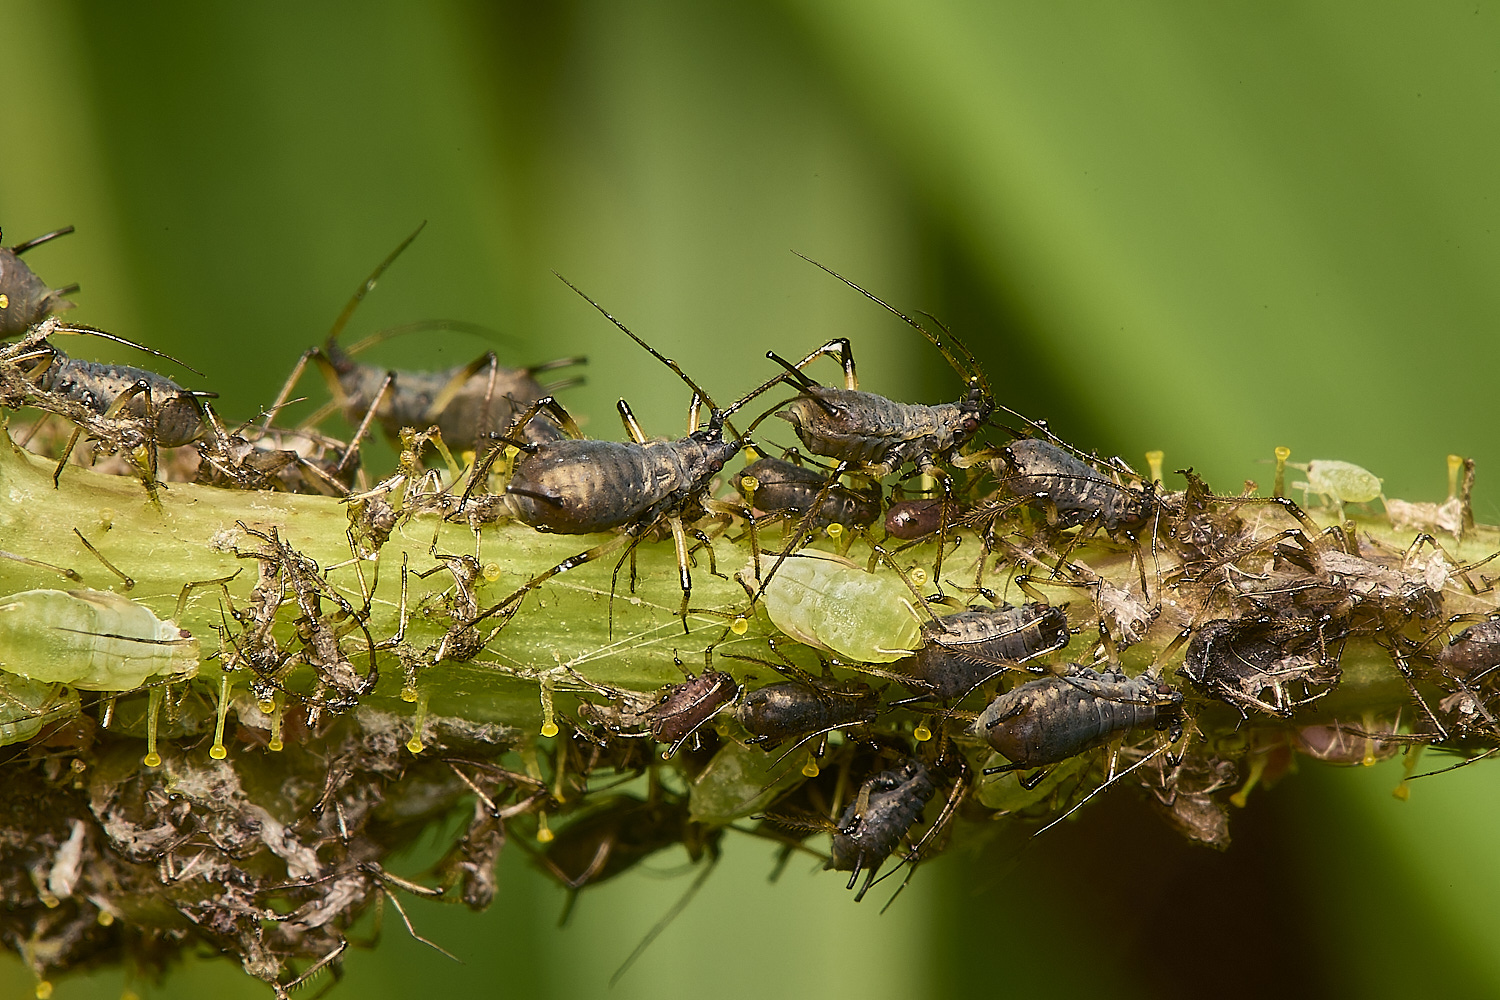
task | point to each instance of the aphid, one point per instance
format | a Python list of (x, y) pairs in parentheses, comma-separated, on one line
[(576, 486), (830, 603), (1183, 791), (94, 640), (804, 707), (619, 832), (779, 487), (1260, 662), (470, 404), (913, 519), (1347, 746), (1038, 470), (1453, 515), (27, 705), (673, 715), (123, 406), (1337, 483), (886, 807), (876, 435), (25, 299), (961, 652), (1049, 720)]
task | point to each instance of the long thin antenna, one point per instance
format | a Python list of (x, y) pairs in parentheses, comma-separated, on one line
[(369, 284)]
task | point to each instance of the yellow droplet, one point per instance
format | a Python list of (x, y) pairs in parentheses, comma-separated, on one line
[(544, 834), (492, 571), (810, 768), (415, 744), (105, 918), (275, 744), (50, 901), (4, 301), (106, 518), (835, 530), (266, 707), (549, 728), (152, 759), (922, 733), (409, 694), (43, 986), (919, 577), (739, 626), (78, 766), (1401, 791), (217, 751), (1283, 453), (749, 484), (1154, 460)]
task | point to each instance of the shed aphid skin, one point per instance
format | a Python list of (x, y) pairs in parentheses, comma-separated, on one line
[(254, 457), (1047, 721), (470, 404), (579, 486), (884, 810), (25, 299), (830, 603), (1266, 663)]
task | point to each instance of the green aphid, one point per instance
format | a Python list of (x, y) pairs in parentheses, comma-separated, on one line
[(93, 640), (1338, 483), (832, 604)]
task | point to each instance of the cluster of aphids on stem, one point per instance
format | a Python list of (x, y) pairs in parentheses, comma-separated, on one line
[(908, 692)]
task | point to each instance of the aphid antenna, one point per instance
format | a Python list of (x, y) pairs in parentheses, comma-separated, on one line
[(369, 285), (973, 373), (54, 326), (1114, 778), (716, 416), (37, 241), (666, 920)]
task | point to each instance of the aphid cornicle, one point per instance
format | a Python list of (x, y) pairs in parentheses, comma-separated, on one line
[(960, 652), (470, 404), (1049, 720), (25, 299), (886, 807)]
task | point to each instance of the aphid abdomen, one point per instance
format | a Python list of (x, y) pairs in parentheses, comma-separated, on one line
[(577, 487), (687, 706), (832, 604), (1474, 652), (1036, 468), (95, 640), (96, 385), (911, 519), (793, 710), (870, 430), (1047, 721), (892, 802), (962, 651), (783, 488)]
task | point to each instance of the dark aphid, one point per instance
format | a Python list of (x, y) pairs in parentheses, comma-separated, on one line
[(1262, 661), (1037, 469), (577, 486), (620, 832), (886, 807), (798, 710), (912, 519), (960, 652), (780, 487), (1184, 792), (25, 299), (1474, 653), (469, 404), (1049, 720), (673, 716)]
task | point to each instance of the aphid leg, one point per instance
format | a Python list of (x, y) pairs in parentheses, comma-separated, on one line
[(1409, 677), (25, 561)]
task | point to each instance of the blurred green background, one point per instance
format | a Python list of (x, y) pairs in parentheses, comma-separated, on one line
[(1206, 228)]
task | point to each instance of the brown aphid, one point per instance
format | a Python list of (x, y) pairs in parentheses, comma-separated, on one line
[(960, 652), (1261, 662)]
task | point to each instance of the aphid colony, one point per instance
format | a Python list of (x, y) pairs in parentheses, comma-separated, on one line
[(919, 616)]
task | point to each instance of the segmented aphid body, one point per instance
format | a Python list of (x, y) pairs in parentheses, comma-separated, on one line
[(1474, 653), (673, 716), (94, 640), (1037, 469), (886, 807), (780, 487), (912, 519), (1049, 720), (1260, 662), (801, 709), (960, 652), (25, 299)]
